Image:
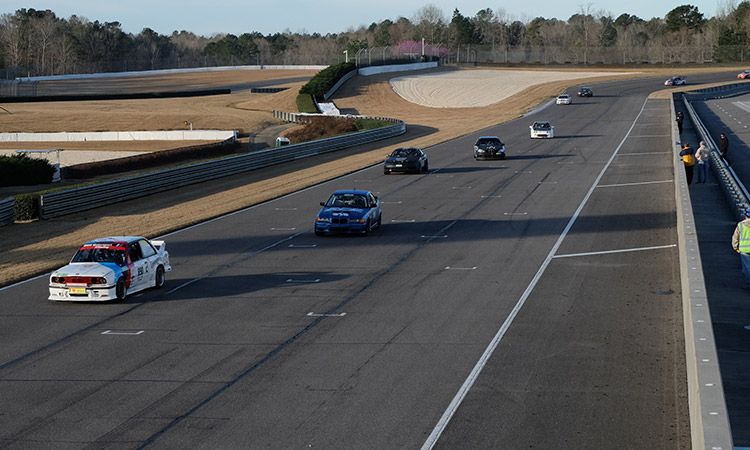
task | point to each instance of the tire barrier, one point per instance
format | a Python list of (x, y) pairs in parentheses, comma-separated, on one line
[(60, 203), (6, 210), (129, 96)]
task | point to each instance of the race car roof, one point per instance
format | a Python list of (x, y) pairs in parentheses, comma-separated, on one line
[(113, 240), (351, 191)]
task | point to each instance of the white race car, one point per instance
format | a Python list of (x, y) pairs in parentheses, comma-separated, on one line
[(542, 130), (676, 81), (564, 99), (111, 268)]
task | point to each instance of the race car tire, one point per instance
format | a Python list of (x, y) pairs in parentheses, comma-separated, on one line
[(319, 233), (120, 291), (366, 231), (426, 167), (502, 156), (380, 220), (386, 171), (159, 277)]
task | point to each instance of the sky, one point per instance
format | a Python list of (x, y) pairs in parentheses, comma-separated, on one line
[(322, 16)]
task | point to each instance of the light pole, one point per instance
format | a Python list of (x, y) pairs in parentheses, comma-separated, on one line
[(384, 49)]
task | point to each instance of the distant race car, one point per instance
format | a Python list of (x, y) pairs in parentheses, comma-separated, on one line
[(676, 81), (542, 129), (489, 147), (110, 268), (744, 74), (406, 160), (564, 99), (585, 92), (349, 211)]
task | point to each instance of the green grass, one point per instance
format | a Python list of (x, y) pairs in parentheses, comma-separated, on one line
[(369, 124), (306, 104)]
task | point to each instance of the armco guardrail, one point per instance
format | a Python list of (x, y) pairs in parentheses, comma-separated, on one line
[(709, 420), (730, 183), (6, 210), (65, 202)]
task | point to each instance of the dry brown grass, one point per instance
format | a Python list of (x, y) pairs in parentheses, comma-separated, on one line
[(32, 248)]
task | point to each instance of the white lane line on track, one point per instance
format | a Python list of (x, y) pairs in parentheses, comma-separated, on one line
[(283, 229), (403, 220), (391, 203), (634, 184), (268, 247), (474, 375), (25, 281), (312, 314), (302, 245), (460, 268), (434, 236), (623, 250), (491, 196), (285, 209), (516, 214), (123, 333), (292, 280)]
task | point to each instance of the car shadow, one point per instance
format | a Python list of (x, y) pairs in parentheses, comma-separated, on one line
[(241, 286), (576, 136), (532, 157), (469, 169)]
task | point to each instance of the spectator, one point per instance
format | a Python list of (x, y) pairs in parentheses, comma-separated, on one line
[(703, 155), (688, 159), (724, 148), (741, 245), (679, 119)]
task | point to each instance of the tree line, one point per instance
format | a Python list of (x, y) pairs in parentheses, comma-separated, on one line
[(35, 42)]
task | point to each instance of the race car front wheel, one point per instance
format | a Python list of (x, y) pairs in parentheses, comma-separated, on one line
[(120, 290), (159, 277)]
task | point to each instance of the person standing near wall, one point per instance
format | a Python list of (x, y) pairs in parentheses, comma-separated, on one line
[(679, 118), (703, 156), (688, 159), (724, 148), (741, 245)]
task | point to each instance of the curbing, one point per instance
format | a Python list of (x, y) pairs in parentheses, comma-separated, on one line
[(709, 420)]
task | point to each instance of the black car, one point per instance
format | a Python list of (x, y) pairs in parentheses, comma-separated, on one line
[(489, 147), (585, 92), (410, 159)]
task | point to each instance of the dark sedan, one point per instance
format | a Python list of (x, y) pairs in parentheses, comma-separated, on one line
[(489, 147), (585, 92), (406, 160)]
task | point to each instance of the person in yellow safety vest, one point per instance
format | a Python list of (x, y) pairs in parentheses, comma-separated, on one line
[(688, 159), (741, 244)]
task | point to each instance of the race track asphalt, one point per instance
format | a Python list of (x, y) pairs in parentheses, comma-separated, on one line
[(531, 302)]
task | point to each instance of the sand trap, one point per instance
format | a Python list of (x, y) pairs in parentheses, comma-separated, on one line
[(477, 88)]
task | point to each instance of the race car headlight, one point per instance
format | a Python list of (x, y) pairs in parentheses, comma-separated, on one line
[(360, 220), (322, 219), (99, 280), (58, 280)]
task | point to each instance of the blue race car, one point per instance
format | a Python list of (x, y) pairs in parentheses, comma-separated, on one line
[(349, 211)]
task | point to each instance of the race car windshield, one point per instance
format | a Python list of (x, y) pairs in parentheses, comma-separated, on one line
[(101, 255), (541, 126), (401, 153), (347, 201), (488, 141)]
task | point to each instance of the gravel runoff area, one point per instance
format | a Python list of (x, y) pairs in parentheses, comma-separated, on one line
[(28, 249), (476, 88)]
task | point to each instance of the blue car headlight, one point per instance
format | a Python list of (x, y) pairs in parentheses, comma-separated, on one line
[(323, 219)]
